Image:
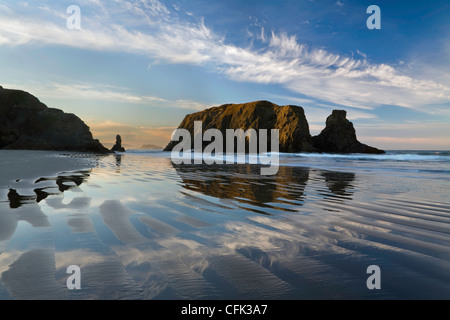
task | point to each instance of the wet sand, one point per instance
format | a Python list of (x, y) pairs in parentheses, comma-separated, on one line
[(142, 228)]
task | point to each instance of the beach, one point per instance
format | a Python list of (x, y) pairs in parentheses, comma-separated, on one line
[(141, 227)]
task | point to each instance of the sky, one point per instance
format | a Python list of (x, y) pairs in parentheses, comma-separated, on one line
[(137, 67)]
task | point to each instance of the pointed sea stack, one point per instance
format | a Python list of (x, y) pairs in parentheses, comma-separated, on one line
[(28, 124), (118, 146), (339, 136)]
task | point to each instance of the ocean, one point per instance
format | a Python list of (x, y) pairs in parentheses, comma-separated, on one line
[(138, 226)]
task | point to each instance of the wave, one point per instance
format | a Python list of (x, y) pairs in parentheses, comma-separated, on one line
[(396, 156), (142, 151), (390, 156)]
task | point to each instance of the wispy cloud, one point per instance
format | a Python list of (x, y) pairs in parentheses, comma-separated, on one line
[(149, 28), (190, 104), (75, 91)]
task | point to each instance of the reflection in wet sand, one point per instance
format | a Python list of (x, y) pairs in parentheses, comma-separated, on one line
[(64, 182), (339, 183), (32, 276), (30, 213), (26, 207), (157, 231), (244, 183), (115, 216), (118, 162), (79, 223)]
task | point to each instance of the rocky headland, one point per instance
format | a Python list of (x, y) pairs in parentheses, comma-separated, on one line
[(28, 124)]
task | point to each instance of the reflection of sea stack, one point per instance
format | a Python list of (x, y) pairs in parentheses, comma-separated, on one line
[(339, 136), (243, 183), (28, 124), (118, 146)]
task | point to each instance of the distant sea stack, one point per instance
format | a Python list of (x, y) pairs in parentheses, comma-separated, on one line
[(28, 124), (290, 120), (339, 136), (118, 146)]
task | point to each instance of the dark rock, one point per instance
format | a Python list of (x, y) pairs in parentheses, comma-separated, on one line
[(28, 124), (339, 136), (290, 120), (118, 146)]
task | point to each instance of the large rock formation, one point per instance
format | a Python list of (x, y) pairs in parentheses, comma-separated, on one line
[(339, 136), (290, 120), (28, 124)]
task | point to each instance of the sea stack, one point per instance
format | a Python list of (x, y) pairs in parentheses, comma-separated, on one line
[(118, 146), (293, 128), (339, 136), (28, 124)]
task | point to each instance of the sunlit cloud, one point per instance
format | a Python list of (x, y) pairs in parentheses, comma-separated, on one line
[(133, 136), (76, 91)]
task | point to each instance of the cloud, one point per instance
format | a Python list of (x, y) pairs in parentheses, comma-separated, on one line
[(190, 104), (407, 135), (412, 143), (362, 54), (149, 28), (133, 136), (75, 91)]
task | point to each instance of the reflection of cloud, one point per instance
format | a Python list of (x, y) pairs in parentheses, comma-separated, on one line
[(103, 275), (9, 219), (80, 222), (157, 225), (77, 203), (32, 276), (8, 223), (116, 216), (42, 274), (240, 260)]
